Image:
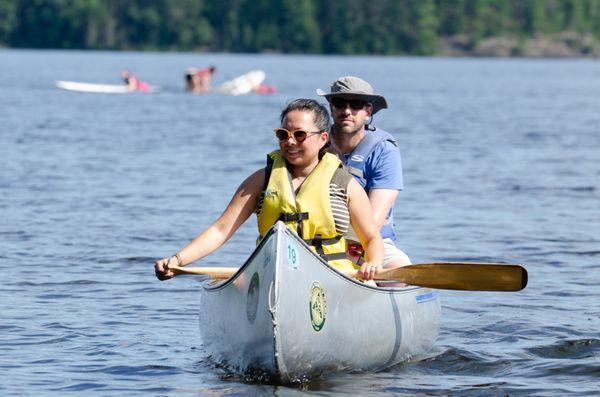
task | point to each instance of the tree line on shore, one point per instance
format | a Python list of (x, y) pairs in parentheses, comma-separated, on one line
[(409, 27)]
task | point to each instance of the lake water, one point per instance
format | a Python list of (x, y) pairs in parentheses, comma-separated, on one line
[(501, 162)]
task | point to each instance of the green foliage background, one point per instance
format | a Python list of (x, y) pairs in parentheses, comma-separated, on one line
[(415, 27)]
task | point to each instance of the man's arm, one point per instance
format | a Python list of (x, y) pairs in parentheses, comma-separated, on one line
[(385, 180), (382, 200)]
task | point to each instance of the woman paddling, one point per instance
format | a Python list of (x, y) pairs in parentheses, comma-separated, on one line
[(305, 187)]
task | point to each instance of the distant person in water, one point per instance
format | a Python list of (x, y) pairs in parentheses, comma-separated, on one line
[(133, 82), (198, 80)]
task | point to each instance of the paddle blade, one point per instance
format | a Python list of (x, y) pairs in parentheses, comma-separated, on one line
[(460, 276)]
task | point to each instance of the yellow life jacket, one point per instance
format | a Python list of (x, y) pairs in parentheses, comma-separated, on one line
[(308, 213)]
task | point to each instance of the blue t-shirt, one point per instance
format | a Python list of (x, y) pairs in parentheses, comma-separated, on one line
[(383, 170)]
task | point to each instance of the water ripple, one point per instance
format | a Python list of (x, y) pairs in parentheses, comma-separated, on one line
[(570, 349)]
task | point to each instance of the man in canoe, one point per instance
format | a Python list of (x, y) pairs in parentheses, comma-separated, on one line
[(371, 155), (297, 176)]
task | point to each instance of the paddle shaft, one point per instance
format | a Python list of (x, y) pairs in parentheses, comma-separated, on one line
[(464, 276), (212, 272)]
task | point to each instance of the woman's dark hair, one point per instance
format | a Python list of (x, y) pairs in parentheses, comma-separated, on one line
[(321, 113)]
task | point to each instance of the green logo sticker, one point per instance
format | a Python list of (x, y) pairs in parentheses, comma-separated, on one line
[(318, 306), (252, 299)]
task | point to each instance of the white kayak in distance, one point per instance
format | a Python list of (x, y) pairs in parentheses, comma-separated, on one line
[(286, 313), (241, 85), (97, 88)]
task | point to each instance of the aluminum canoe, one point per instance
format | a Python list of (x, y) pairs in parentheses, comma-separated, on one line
[(288, 314)]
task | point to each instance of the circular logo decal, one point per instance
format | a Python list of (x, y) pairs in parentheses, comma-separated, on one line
[(318, 306), (252, 299)]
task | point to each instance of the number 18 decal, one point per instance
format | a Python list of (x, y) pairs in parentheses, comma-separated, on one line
[(292, 254)]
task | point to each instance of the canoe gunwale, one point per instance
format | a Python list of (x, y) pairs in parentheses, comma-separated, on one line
[(305, 247), (352, 280)]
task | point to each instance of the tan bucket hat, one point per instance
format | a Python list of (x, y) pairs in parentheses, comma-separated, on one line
[(354, 87)]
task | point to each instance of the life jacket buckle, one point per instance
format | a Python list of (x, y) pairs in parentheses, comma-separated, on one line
[(317, 240), (293, 216)]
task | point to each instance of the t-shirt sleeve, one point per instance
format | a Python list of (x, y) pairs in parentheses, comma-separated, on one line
[(384, 168)]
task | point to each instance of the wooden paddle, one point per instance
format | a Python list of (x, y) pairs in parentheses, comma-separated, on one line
[(218, 273), (460, 276), (464, 276)]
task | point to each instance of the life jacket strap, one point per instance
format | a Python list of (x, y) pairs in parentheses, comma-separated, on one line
[(334, 257), (297, 217), (293, 216), (318, 241)]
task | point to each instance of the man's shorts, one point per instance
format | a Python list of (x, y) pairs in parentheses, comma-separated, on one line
[(391, 253)]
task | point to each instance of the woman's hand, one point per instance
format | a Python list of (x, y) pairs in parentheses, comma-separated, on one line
[(368, 271), (161, 268)]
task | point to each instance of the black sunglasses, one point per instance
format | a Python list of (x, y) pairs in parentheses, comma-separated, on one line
[(299, 135), (341, 103)]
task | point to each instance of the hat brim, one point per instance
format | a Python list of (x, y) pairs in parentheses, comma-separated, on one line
[(377, 101)]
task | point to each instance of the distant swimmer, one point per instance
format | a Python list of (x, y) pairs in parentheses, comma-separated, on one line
[(198, 80), (133, 82)]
